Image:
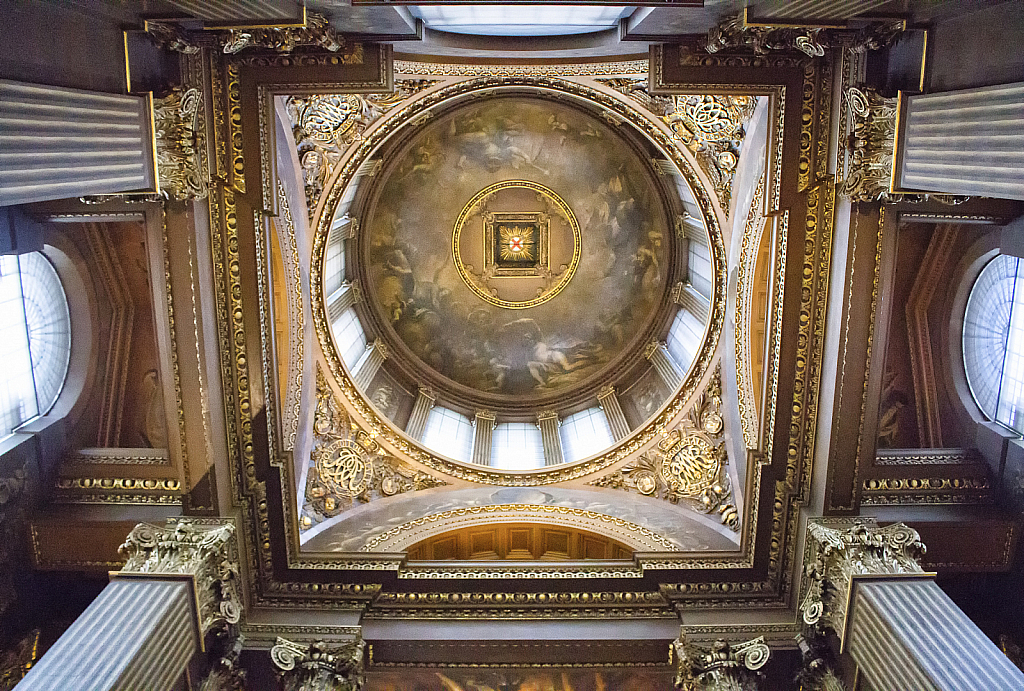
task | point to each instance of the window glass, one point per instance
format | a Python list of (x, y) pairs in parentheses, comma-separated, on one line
[(584, 434), (684, 337), (993, 341), (517, 446), (449, 433), (350, 337), (36, 343)]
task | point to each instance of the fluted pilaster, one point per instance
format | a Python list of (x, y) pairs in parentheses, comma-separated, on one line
[(57, 143), (609, 402), (659, 358), (964, 142), (340, 300), (548, 423), (376, 354), (483, 430), (687, 297), (420, 411)]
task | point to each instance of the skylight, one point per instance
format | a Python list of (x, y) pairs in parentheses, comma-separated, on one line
[(520, 20)]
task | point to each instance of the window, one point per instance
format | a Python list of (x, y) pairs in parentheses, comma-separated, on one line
[(517, 446), (700, 268), (520, 20), (684, 337), (36, 343), (993, 341), (349, 335), (449, 433), (584, 434)]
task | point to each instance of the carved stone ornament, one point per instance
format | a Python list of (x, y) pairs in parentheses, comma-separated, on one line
[(320, 666), (870, 145), (818, 665), (317, 32), (722, 667), (835, 556), (208, 553), (18, 660), (226, 674), (689, 466), (171, 37), (734, 32), (11, 523), (178, 144), (348, 465), (325, 126)]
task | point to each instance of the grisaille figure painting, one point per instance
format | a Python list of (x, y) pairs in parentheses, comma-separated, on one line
[(517, 246)]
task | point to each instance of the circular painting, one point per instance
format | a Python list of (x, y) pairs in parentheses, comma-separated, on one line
[(516, 246)]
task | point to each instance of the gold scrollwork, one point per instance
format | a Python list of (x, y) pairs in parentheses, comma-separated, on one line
[(179, 147)]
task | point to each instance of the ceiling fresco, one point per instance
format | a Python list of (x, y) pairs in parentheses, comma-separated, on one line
[(525, 304)]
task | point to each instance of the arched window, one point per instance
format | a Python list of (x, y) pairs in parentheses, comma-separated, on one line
[(35, 347), (993, 341)]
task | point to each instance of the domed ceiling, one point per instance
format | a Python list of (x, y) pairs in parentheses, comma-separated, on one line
[(515, 251)]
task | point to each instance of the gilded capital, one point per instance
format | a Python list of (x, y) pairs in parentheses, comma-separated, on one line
[(547, 415), (722, 667), (320, 666), (206, 551), (651, 348), (606, 391), (178, 142), (381, 347), (869, 165), (835, 556)]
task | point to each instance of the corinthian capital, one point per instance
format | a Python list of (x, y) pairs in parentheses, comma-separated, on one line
[(206, 552), (722, 667), (834, 556), (320, 666)]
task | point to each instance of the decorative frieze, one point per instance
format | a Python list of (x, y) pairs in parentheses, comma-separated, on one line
[(320, 666), (722, 667)]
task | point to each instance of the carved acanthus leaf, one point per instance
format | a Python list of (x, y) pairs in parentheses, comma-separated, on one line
[(180, 166), (722, 667), (317, 32), (320, 666), (734, 33), (194, 548), (834, 556)]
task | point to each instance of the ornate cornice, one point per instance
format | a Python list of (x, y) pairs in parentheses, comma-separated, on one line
[(191, 548)]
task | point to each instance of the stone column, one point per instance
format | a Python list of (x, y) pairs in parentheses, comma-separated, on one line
[(548, 423), (179, 583), (425, 399), (376, 354), (964, 142), (658, 355), (340, 300), (722, 667), (60, 143), (483, 429), (865, 583), (320, 666), (609, 402)]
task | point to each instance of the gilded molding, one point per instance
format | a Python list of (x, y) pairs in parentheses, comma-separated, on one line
[(265, 635), (722, 667), (406, 534), (291, 410), (179, 145), (191, 548), (935, 490), (431, 69), (119, 456), (349, 466), (234, 89), (925, 457), (835, 556), (482, 474), (689, 465), (813, 41), (745, 384)]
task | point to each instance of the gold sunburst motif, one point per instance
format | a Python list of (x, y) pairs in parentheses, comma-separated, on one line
[(516, 243)]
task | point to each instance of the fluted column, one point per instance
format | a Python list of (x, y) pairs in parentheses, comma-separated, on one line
[(57, 143), (903, 632), (320, 666), (964, 142), (425, 399), (340, 300), (548, 423), (659, 358), (178, 584), (483, 430), (343, 228), (609, 402), (376, 354)]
